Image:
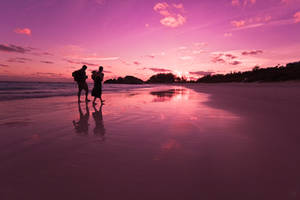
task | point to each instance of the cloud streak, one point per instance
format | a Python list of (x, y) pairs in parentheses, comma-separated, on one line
[(13, 48), (46, 62), (201, 73), (253, 52), (158, 69), (136, 63), (81, 63), (19, 60), (101, 58), (251, 22)]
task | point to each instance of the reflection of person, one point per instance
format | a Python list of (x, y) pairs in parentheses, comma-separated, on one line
[(80, 77), (99, 129), (82, 126), (97, 90)]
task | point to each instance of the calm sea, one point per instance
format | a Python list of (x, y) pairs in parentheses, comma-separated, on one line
[(24, 90)]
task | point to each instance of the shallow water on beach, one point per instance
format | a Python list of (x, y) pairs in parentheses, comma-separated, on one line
[(147, 143), (160, 142)]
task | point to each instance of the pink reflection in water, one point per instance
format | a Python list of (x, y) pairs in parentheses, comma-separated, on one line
[(143, 142)]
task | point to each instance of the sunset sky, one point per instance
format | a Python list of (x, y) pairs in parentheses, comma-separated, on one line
[(48, 39)]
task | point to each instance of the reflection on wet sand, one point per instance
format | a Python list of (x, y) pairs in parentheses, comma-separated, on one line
[(157, 142), (167, 95), (99, 129), (82, 125)]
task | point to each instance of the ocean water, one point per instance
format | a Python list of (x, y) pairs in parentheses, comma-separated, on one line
[(25, 90)]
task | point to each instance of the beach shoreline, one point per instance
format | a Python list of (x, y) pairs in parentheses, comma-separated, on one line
[(213, 141)]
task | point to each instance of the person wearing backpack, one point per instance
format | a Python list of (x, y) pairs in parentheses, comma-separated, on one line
[(80, 77)]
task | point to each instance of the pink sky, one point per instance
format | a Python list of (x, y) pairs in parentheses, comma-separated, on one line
[(47, 40)]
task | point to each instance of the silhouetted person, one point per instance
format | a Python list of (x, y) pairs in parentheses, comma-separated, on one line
[(82, 126), (97, 76), (80, 77), (99, 129)]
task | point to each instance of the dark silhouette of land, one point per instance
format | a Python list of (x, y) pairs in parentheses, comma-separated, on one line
[(162, 78), (125, 80), (272, 74)]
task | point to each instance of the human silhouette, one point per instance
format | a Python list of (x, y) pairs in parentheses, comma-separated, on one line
[(80, 77), (99, 129), (97, 76), (82, 126)]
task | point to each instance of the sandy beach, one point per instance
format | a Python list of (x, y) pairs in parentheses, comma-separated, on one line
[(208, 141)]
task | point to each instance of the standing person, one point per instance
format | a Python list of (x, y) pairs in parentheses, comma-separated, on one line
[(80, 77), (97, 90)]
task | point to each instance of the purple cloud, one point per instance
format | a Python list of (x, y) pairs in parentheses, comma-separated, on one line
[(218, 59), (47, 62), (48, 74), (200, 73), (157, 69), (19, 60), (230, 56), (254, 52), (235, 63), (136, 63), (150, 56), (47, 54), (14, 48)]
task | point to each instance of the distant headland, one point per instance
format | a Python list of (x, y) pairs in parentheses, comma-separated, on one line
[(271, 74)]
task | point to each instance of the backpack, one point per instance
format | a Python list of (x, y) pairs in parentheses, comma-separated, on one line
[(76, 76)]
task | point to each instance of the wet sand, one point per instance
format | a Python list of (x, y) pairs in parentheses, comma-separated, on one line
[(197, 142)]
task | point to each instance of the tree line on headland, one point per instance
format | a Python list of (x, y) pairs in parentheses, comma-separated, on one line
[(272, 74)]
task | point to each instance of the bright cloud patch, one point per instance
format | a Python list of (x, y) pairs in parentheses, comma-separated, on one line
[(297, 17), (242, 2), (25, 31), (172, 14), (238, 23)]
